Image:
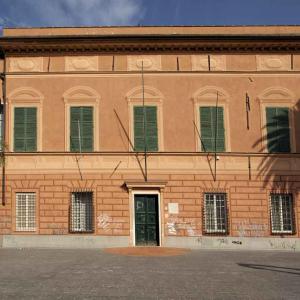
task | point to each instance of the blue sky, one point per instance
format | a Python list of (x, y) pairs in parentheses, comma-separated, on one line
[(31, 13)]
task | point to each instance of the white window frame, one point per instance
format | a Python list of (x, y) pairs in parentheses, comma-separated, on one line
[(27, 211), (214, 223), (281, 214)]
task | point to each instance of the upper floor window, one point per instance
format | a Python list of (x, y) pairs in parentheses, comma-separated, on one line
[(282, 217), (81, 129), (211, 110), (212, 129), (145, 128), (24, 115), (81, 119), (25, 129), (278, 111), (278, 129)]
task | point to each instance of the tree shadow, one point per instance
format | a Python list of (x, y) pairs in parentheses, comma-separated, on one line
[(276, 143), (272, 268)]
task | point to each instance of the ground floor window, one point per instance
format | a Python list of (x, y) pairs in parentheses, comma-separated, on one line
[(25, 211), (282, 213), (215, 213), (81, 212)]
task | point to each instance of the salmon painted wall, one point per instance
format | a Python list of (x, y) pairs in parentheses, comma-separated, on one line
[(241, 75)]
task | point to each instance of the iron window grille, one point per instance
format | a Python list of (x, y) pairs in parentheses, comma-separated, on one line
[(282, 219), (81, 212), (215, 213), (25, 211)]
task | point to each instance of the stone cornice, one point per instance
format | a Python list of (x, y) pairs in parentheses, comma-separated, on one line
[(150, 44)]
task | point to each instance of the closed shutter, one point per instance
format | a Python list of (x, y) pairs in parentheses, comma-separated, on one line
[(278, 131), (82, 129), (25, 129), (150, 128), (208, 125)]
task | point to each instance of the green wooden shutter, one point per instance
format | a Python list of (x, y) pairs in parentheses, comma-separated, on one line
[(208, 125), (25, 129), (138, 129), (87, 129), (19, 134), (151, 128), (30, 143), (81, 119), (278, 132)]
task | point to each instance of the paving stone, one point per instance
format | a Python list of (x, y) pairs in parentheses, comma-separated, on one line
[(95, 274)]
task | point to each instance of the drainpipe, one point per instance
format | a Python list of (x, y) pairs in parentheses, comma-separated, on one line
[(3, 79)]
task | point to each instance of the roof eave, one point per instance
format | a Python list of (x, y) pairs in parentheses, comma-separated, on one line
[(150, 43)]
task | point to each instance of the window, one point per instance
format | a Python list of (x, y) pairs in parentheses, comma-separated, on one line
[(1, 128), (25, 211), (147, 125), (282, 213), (81, 217), (25, 129), (215, 213), (212, 129), (278, 131), (81, 129)]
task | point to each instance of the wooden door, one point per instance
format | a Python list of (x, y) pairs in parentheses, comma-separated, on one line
[(146, 220)]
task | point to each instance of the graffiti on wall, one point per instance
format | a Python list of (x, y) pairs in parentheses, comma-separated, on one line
[(248, 229), (175, 224), (172, 226), (103, 221), (283, 245)]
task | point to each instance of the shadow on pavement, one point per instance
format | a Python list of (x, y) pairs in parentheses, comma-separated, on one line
[(272, 268)]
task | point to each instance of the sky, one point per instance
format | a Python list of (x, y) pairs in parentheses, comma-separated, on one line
[(34, 13)]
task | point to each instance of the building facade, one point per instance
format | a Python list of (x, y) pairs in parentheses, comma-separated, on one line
[(161, 136)]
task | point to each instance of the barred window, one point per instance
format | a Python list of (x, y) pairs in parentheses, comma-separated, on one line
[(282, 213), (81, 212), (215, 213), (25, 211)]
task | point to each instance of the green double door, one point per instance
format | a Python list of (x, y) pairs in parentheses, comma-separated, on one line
[(146, 220)]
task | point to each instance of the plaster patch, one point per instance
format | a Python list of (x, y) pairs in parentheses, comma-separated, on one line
[(173, 208)]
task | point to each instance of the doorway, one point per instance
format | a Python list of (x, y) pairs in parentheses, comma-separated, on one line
[(146, 220)]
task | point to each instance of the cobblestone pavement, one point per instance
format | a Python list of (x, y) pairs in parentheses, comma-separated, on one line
[(94, 274)]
